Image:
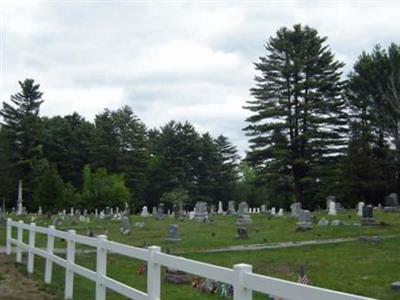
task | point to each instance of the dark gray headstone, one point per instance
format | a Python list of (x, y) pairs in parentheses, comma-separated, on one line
[(201, 213), (173, 233), (125, 226), (392, 200)]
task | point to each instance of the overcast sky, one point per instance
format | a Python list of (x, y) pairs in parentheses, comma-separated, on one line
[(170, 60)]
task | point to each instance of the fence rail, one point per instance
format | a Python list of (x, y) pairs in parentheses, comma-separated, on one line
[(241, 277)]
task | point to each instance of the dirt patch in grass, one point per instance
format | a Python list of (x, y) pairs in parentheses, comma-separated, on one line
[(17, 286)]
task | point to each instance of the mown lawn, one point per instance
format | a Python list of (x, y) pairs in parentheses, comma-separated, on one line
[(354, 267)]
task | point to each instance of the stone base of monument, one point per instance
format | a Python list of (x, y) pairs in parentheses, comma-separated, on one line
[(367, 221), (391, 209), (176, 276), (302, 226), (243, 220)]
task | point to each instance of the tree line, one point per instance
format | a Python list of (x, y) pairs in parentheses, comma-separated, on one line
[(313, 131)]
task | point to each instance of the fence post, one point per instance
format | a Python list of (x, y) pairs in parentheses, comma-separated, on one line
[(8, 236), (31, 256), (19, 238), (153, 274), (101, 267), (50, 249), (69, 273), (240, 292)]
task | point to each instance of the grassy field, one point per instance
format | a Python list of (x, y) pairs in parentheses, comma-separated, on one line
[(354, 267)]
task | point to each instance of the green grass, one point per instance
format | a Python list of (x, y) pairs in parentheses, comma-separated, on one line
[(353, 267)]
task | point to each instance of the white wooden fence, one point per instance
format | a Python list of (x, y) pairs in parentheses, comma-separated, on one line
[(241, 276)]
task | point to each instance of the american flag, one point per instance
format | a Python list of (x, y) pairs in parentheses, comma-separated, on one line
[(303, 279)]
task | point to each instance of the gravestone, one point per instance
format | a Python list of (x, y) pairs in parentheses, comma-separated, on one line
[(295, 209), (220, 208), (273, 211), (125, 226), (231, 208), (173, 233), (280, 212), (145, 212), (392, 203), (360, 208), (213, 211), (332, 208), (304, 220), (243, 217), (85, 212), (160, 211), (330, 199), (323, 222), (40, 212), (243, 208), (242, 232), (200, 210), (191, 215), (263, 209), (154, 211), (367, 215)]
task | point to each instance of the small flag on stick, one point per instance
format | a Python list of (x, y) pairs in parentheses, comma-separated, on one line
[(303, 279)]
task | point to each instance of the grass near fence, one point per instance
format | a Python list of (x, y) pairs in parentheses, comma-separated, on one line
[(354, 267)]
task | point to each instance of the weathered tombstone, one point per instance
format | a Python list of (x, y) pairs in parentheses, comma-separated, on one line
[(173, 233), (107, 211), (213, 211), (258, 210), (154, 211), (125, 226), (145, 212), (201, 214), (295, 209), (332, 208), (280, 212), (330, 199), (392, 203), (78, 213), (367, 216), (160, 211), (231, 208), (359, 208), (220, 208), (85, 212), (71, 212), (323, 222), (242, 232), (57, 221), (191, 215), (273, 211), (243, 218), (102, 215), (304, 220), (263, 209), (243, 208), (40, 212)]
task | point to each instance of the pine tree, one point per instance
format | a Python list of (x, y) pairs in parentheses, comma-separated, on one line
[(298, 93), (22, 127)]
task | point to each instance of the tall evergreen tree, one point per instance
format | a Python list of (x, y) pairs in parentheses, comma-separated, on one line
[(298, 93), (22, 126)]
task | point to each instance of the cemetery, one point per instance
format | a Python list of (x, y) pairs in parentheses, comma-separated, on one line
[(275, 245), (213, 150)]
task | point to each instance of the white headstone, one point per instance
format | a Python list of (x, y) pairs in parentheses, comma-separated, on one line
[(273, 211), (220, 209), (360, 208), (280, 212), (332, 208)]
